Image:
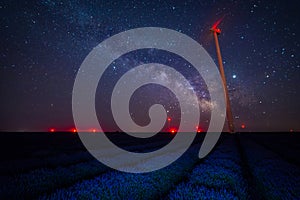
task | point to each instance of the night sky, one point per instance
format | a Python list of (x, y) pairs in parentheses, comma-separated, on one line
[(43, 44)]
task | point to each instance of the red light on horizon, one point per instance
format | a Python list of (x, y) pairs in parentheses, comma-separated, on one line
[(173, 130), (199, 130), (52, 130), (169, 119), (74, 130), (94, 130), (243, 126)]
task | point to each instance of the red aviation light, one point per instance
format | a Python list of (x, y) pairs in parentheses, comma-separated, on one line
[(215, 28), (173, 130)]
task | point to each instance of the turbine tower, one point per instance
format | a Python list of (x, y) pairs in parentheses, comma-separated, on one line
[(216, 31)]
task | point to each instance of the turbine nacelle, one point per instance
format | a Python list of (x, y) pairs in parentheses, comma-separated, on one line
[(215, 30)]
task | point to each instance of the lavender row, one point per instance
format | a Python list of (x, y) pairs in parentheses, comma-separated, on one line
[(118, 185), (39, 181), (274, 177), (220, 176)]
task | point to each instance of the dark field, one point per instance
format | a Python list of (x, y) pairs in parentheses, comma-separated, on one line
[(242, 166)]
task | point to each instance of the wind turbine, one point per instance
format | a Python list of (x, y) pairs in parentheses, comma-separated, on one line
[(216, 31)]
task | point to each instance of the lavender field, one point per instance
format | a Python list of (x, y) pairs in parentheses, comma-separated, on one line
[(242, 166)]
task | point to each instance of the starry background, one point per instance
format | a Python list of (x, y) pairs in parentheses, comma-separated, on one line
[(43, 44)]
